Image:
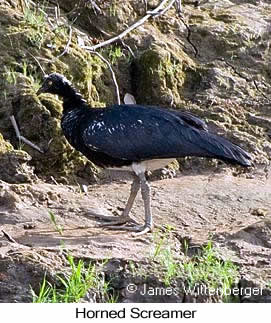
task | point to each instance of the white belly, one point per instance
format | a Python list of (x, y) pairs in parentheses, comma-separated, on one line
[(154, 164), (146, 165)]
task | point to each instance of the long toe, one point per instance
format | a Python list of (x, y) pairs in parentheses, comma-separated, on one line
[(110, 218), (138, 230), (142, 230), (115, 222)]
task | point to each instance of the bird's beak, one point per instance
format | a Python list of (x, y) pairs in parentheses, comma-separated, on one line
[(40, 90)]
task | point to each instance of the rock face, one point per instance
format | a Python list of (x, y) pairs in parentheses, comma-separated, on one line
[(14, 164), (212, 60)]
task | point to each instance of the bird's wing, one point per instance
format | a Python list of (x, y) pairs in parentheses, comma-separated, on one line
[(138, 133), (188, 117)]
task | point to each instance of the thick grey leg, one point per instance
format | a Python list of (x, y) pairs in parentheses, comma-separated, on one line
[(124, 218), (133, 193), (146, 196), (140, 181)]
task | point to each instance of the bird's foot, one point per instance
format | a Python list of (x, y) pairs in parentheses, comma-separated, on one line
[(138, 230), (142, 230), (116, 221)]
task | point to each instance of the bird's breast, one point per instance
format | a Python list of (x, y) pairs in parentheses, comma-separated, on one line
[(69, 124)]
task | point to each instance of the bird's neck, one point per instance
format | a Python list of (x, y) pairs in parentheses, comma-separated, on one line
[(72, 99)]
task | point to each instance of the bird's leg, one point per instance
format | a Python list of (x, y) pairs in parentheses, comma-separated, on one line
[(133, 193), (146, 196), (124, 218)]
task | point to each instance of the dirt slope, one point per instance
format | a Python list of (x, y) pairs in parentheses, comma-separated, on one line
[(233, 212)]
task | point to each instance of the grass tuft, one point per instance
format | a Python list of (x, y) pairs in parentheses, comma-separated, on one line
[(57, 227), (205, 269), (74, 286)]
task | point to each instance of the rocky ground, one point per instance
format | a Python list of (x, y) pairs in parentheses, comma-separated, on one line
[(212, 60)]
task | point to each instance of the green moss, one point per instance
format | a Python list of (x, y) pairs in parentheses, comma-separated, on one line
[(164, 72), (4, 145), (53, 105), (150, 76), (224, 16), (161, 75), (192, 81), (39, 118)]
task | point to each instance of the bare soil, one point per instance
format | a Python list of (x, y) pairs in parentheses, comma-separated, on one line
[(234, 212)]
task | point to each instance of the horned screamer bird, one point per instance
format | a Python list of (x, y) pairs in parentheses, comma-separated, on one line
[(139, 137)]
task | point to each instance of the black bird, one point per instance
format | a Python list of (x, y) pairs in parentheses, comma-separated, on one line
[(139, 137)]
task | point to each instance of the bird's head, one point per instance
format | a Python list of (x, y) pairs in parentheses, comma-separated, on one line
[(54, 83)]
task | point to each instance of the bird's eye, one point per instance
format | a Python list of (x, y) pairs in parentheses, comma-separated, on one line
[(50, 83)]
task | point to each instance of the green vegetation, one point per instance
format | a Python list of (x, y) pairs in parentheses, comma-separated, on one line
[(34, 21), (4, 145), (115, 53), (34, 17), (205, 269), (76, 283), (10, 75), (72, 287), (208, 269), (113, 8), (164, 256), (57, 227), (33, 76)]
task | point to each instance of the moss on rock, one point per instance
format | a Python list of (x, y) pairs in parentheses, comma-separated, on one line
[(14, 164), (165, 72), (4, 145), (160, 76), (39, 118)]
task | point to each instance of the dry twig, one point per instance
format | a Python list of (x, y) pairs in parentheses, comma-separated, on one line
[(127, 47), (67, 45), (112, 73), (179, 7), (37, 63), (153, 13), (161, 12), (95, 7), (9, 237), (140, 22), (21, 138)]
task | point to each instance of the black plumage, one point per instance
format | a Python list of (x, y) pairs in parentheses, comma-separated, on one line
[(135, 135)]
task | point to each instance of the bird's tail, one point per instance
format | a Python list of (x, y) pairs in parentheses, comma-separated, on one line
[(221, 148)]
